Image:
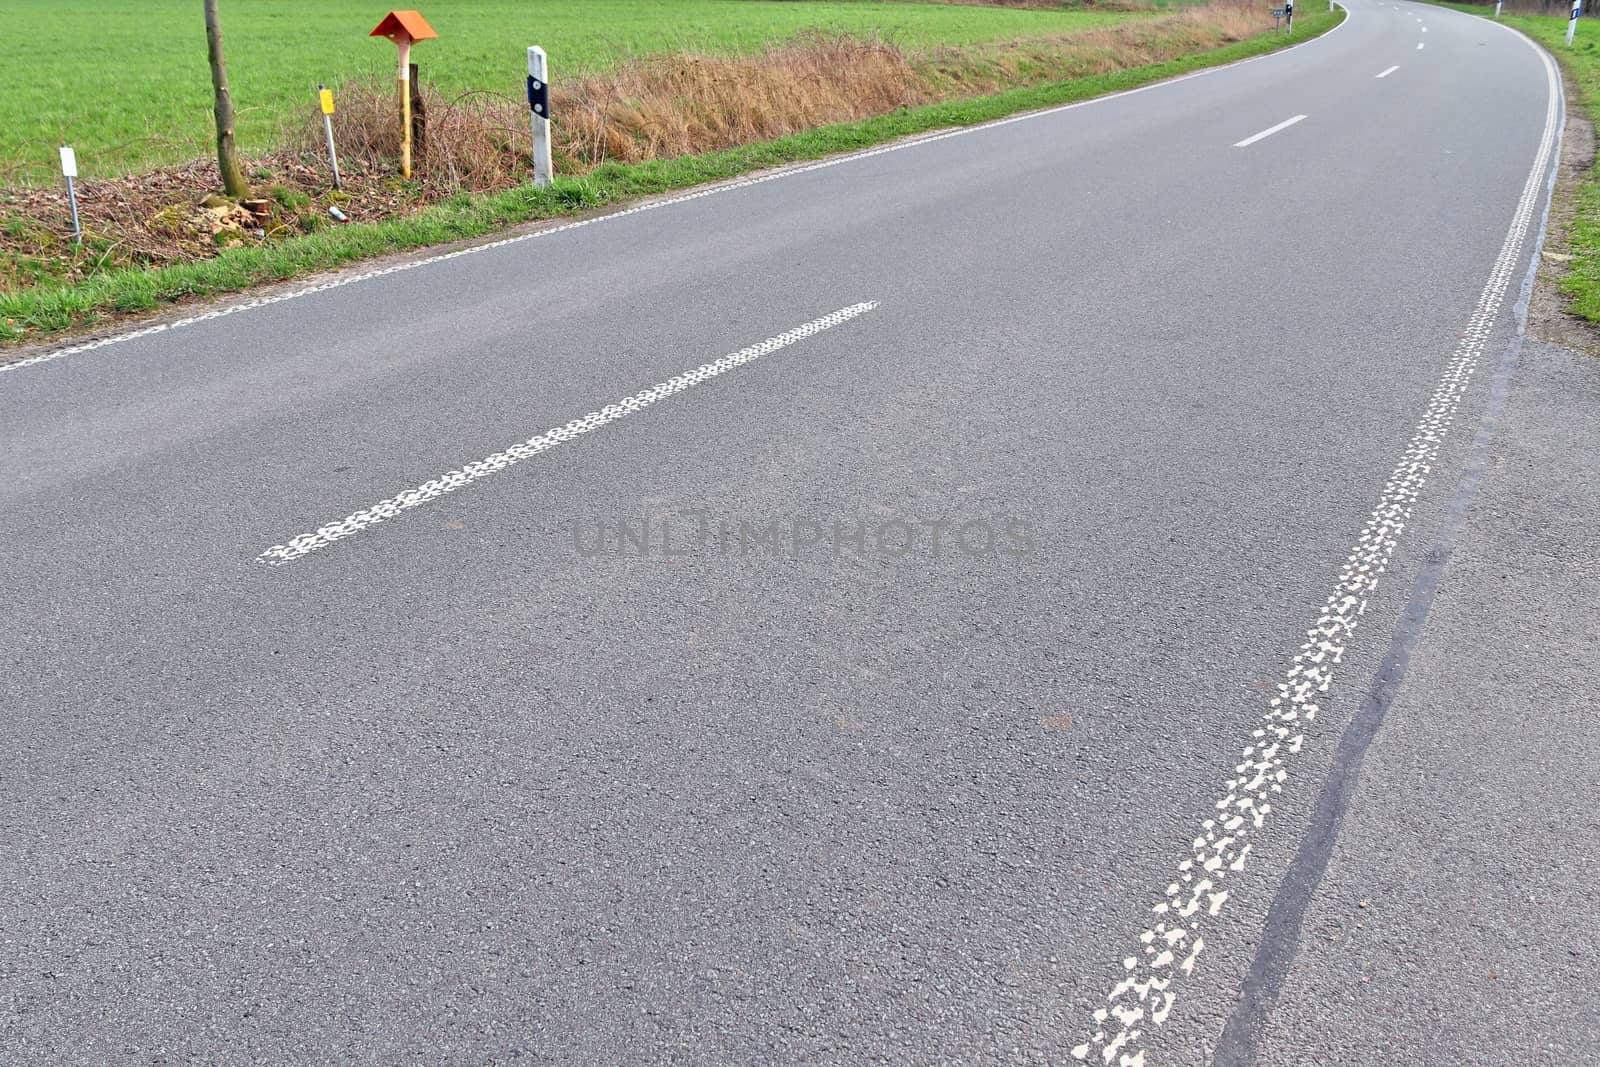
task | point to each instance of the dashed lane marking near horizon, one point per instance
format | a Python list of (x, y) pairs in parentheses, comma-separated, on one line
[(1419, 46), (1167, 950), (450, 481), (1390, 71), (651, 205), (1268, 132)]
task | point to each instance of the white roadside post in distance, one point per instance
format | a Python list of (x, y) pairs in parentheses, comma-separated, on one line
[(69, 170), (1572, 20), (1497, 8), (539, 111)]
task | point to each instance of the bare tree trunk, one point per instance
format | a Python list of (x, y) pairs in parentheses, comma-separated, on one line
[(233, 182)]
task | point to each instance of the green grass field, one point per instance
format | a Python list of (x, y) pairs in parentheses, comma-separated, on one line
[(126, 81)]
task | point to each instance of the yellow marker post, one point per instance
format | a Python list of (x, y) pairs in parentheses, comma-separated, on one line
[(403, 27), (325, 96)]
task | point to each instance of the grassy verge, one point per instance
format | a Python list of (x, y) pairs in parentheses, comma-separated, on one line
[(56, 90), (35, 312), (660, 107), (1581, 63)]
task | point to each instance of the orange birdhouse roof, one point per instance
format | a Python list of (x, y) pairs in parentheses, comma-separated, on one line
[(407, 23)]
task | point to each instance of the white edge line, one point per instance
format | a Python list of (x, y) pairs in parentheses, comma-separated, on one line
[(1268, 132), (649, 205), (450, 481), (1118, 1028), (1390, 71)]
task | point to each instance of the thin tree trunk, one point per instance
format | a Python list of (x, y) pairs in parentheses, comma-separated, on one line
[(419, 117), (233, 182)]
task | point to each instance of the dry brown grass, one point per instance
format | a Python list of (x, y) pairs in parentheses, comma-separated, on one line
[(475, 141), (985, 69), (679, 105), (684, 104)]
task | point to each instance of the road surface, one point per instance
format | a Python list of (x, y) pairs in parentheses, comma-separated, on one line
[(1041, 593)]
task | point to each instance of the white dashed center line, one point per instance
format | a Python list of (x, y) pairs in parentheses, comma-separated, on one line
[(1268, 132), (1390, 71), (450, 481), (1419, 46)]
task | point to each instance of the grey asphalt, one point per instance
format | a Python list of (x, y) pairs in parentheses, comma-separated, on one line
[(456, 790)]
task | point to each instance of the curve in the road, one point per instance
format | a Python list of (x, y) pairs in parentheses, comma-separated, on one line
[(1168, 950)]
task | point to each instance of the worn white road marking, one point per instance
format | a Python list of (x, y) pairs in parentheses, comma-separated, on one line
[(1284, 125), (741, 183), (1419, 46), (450, 481), (1390, 71), (1424, 29), (1167, 951)]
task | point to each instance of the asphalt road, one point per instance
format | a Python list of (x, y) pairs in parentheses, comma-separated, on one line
[(970, 598)]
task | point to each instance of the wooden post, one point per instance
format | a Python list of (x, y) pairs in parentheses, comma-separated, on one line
[(404, 27), (419, 117)]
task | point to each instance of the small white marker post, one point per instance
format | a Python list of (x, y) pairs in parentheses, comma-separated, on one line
[(1572, 20), (1497, 8), (325, 98), (539, 110), (69, 170)]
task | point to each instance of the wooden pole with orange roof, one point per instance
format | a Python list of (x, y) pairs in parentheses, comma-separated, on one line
[(404, 27)]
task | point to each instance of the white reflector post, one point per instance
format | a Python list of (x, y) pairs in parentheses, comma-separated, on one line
[(69, 170), (539, 114)]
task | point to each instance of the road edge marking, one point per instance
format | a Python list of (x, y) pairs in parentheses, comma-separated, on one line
[(1285, 922), (1169, 949)]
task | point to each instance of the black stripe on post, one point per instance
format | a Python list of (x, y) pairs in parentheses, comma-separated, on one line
[(538, 97)]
